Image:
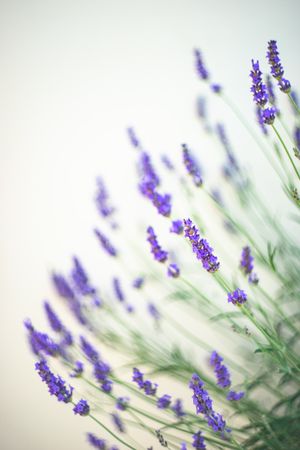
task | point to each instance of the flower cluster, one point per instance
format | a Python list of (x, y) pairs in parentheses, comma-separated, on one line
[(156, 250), (276, 67), (204, 405), (82, 408), (201, 247), (260, 94), (146, 385), (102, 200), (192, 166), (221, 371), (148, 186), (237, 297), (105, 243), (56, 385), (247, 266)]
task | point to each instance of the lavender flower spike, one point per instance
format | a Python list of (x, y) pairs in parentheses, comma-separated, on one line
[(276, 67), (95, 442), (56, 385), (159, 254), (201, 247), (102, 200), (191, 166), (258, 89), (80, 278), (200, 67), (53, 319), (198, 441), (164, 401), (105, 243)]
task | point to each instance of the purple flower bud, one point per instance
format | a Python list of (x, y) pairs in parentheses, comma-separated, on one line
[(122, 403), (198, 441), (235, 396), (164, 401), (138, 282), (77, 370), (177, 226), (237, 297), (82, 408), (173, 271)]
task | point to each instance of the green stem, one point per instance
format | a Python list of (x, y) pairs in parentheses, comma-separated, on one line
[(286, 150)]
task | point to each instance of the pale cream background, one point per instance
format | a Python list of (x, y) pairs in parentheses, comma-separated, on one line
[(73, 75)]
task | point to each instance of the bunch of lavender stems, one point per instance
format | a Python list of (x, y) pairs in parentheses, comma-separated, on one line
[(189, 346)]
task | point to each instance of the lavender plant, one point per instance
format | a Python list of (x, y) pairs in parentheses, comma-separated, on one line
[(208, 354)]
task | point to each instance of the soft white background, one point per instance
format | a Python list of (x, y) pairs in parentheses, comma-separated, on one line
[(73, 75)]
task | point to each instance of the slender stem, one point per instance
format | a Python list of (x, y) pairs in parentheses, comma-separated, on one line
[(286, 151), (294, 103)]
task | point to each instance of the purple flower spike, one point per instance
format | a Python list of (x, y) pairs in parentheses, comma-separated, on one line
[(237, 297), (77, 370), (102, 200), (173, 271), (118, 290), (80, 279), (89, 351), (132, 137), (260, 120), (192, 166), (167, 162), (82, 408), (159, 254), (201, 398), (258, 89), (41, 343), (118, 422), (247, 259), (177, 227), (105, 243), (198, 441), (53, 319), (164, 401), (201, 247), (62, 286), (276, 67), (95, 442), (233, 396), (177, 408), (153, 311), (56, 385), (183, 446), (138, 378), (200, 67)]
